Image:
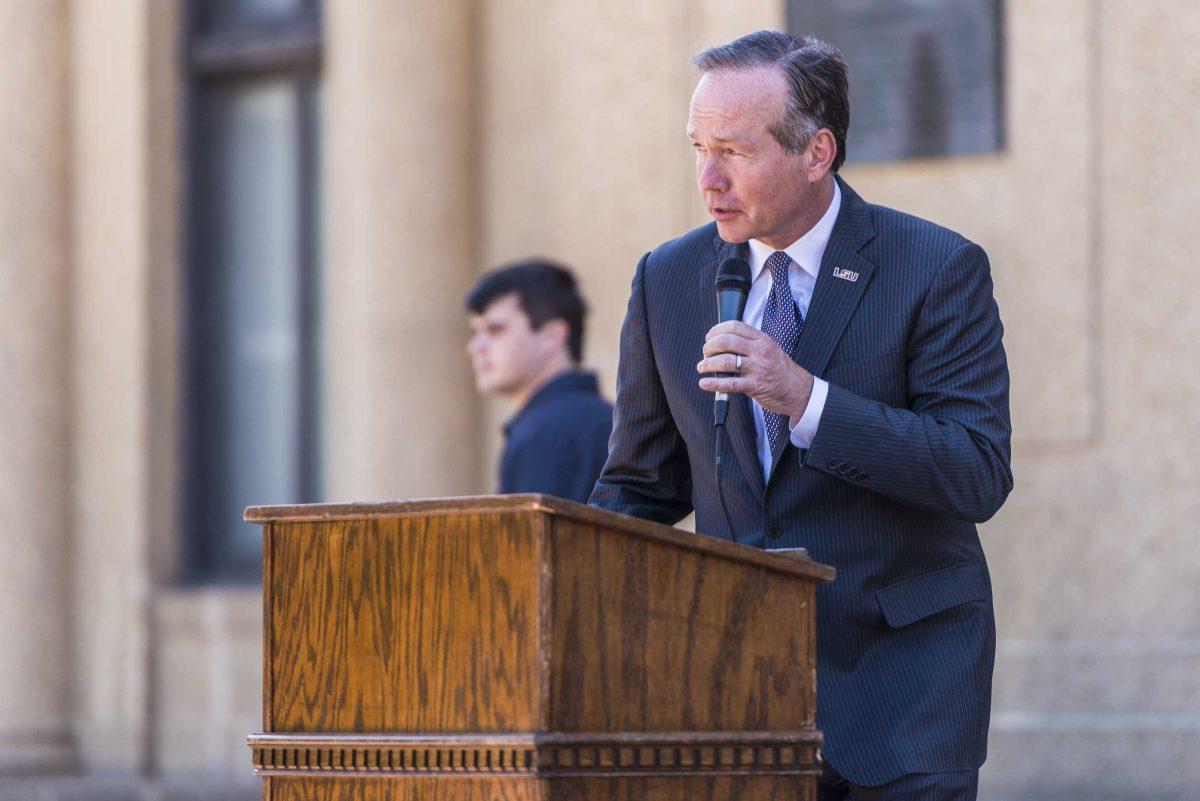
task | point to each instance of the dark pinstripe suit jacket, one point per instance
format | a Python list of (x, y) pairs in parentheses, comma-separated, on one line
[(911, 452)]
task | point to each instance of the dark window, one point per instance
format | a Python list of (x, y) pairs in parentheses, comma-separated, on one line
[(925, 75), (252, 313)]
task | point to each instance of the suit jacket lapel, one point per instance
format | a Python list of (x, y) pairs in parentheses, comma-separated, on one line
[(835, 297), (740, 425)]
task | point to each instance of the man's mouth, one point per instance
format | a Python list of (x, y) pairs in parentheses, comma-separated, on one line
[(720, 213)]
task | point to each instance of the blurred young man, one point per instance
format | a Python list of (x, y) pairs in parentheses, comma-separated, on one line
[(526, 345)]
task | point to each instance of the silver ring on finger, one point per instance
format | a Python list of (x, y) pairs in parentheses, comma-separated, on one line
[(737, 365)]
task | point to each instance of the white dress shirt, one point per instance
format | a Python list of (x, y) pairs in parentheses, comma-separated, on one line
[(806, 254)]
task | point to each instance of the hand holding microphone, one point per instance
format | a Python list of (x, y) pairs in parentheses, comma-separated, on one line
[(740, 358)]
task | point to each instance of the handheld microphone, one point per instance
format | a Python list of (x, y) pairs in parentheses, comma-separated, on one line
[(733, 286)]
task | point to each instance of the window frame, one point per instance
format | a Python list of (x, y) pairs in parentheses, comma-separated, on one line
[(211, 54)]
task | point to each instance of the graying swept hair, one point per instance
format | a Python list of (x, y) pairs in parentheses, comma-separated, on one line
[(818, 91)]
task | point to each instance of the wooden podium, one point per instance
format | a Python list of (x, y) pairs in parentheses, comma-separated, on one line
[(525, 647)]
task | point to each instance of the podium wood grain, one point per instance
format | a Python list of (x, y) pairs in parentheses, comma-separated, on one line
[(525, 647), (413, 624)]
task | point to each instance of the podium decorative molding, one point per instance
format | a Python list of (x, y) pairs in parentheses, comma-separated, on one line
[(541, 755)]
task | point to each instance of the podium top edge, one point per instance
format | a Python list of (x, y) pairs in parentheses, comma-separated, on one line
[(546, 504)]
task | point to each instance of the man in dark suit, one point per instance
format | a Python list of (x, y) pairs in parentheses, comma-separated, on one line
[(871, 423), (527, 325)]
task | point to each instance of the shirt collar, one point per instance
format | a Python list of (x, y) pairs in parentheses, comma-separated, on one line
[(808, 250)]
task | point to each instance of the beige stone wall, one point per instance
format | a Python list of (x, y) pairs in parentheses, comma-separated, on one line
[(34, 387), (1087, 217), (208, 680), (399, 220), (463, 135), (110, 345), (1116, 599)]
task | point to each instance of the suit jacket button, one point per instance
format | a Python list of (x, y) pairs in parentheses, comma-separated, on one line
[(863, 477), (853, 472), (773, 530), (832, 463)]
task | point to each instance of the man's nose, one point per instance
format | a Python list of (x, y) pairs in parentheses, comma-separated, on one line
[(712, 177)]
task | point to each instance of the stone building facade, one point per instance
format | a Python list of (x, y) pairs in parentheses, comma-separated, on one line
[(457, 135)]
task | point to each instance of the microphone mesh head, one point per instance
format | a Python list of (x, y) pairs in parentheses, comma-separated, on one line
[(733, 274)]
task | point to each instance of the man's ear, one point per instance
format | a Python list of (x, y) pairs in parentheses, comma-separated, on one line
[(823, 148), (558, 332)]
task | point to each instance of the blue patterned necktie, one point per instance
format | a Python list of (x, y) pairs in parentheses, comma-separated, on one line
[(783, 323)]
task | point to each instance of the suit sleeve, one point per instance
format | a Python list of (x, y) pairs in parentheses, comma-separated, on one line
[(949, 450), (647, 474)]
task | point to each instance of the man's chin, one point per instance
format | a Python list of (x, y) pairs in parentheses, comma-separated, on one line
[(732, 233), (494, 388)]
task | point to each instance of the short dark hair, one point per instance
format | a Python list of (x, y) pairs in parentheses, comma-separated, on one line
[(818, 90), (545, 290)]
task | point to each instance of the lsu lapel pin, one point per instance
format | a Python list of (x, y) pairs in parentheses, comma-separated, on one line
[(845, 275)]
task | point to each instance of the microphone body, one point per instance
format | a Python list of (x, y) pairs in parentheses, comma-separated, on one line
[(733, 287), (731, 302)]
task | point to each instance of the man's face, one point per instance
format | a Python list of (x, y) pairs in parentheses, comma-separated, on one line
[(751, 186), (506, 353)]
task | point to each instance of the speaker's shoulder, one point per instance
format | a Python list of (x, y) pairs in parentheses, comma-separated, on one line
[(685, 254), (912, 241)]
